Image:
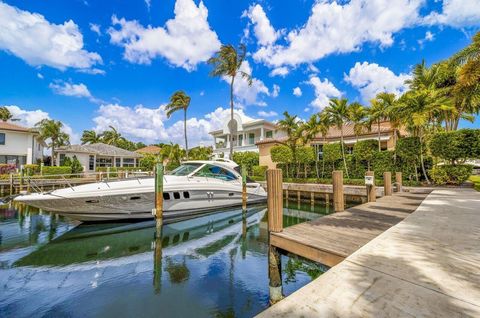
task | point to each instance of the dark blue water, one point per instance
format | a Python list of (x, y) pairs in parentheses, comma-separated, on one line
[(212, 266)]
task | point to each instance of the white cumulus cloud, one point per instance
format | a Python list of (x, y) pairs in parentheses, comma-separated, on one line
[(280, 71), (151, 124), (35, 40), (267, 113), (371, 79), (185, 41), (324, 90), (275, 90), (297, 91), (95, 28), (456, 13), (334, 27), (74, 90), (262, 28)]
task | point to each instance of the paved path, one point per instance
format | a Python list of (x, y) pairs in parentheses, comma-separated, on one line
[(426, 266), (332, 238)]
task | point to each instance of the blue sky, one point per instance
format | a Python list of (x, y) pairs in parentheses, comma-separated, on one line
[(92, 64)]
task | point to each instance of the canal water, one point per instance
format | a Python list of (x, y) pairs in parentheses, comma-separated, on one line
[(211, 266)]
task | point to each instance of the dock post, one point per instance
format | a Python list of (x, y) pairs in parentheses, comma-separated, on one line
[(244, 189), (158, 199), (41, 169), (275, 224), (312, 198), (11, 183), (399, 181), (108, 173), (20, 189), (338, 198), (274, 200), (387, 183), (371, 191)]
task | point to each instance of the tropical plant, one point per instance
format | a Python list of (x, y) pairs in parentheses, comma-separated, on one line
[(90, 137), (293, 127), (379, 111), (247, 159), (51, 130), (310, 129), (365, 150), (200, 153), (227, 63), (111, 137), (357, 115), (180, 101), (171, 155), (282, 154), (6, 115), (337, 111), (76, 165)]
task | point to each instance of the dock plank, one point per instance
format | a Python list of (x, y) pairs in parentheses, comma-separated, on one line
[(329, 239)]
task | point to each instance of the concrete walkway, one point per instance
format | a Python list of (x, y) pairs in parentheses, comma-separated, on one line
[(426, 266)]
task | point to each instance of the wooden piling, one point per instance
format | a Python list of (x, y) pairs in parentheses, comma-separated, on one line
[(244, 188), (371, 191), (157, 264), (338, 198), (108, 173), (274, 275), (399, 181), (20, 189), (11, 183), (312, 198), (387, 183), (158, 198), (274, 200)]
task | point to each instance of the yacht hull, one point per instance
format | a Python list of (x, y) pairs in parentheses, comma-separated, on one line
[(123, 201)]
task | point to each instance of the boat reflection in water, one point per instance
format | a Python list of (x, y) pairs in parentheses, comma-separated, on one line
[(215, 265)]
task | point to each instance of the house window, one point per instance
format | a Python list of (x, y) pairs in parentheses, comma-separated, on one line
[(91, 163), (118, 162), (104, 162), (240, 140), (2, 138), (15, 160), (128, 162), (251, 139), (269, 134), (62, 159)]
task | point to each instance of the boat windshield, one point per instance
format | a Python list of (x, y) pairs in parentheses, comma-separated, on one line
[(212, 171), (185, 169)]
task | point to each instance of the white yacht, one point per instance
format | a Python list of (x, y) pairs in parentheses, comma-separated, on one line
[(193, 187)]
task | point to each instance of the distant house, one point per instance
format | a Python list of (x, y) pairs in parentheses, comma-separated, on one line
[(20, 145), (98, 155), (149, 150), (246, 133)]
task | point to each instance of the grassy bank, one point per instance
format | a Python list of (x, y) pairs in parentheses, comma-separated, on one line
[(476, 182)]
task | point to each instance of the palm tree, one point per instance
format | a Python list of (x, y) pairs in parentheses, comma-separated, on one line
[(324, 125), (90, 137), (50, 129), (379, 111), (6, 115), (357, 115), (227, 62), (310, 129), (180, 101), (111, 137), (291, 125), (337, 112)]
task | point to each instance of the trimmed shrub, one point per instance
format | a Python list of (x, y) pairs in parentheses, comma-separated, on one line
[(332, 153), (48, 170), (450, 174), (7, 168), (383, 162), (259, 171), (31, 169), (456, 146), (247, 159), (365, 151), (147, 162), (76, 165)]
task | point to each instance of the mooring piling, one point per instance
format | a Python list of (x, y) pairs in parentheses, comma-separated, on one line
[(11, 183), (337, 185), (398, 180), (158, 210), (157, 265), (244, 188), (274, 200), (371, 191), (387, 183)]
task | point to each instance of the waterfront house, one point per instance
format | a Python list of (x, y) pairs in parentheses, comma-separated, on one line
[(246, 133), (20, 145), (388, 138), (98, 155)]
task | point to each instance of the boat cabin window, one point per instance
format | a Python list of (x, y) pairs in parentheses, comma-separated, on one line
[(216, 172), (185, 169)]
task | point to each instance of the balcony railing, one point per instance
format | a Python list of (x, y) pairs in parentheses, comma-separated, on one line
[(237, 143)]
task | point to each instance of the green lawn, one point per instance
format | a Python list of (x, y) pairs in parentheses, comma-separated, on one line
[(476, 182)]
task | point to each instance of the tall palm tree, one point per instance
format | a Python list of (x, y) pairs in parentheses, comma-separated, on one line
[(227, 62), (310, 129), (180, 101), (292, 126), (379, 111), (324, 125), (357, 115), (50, 129), (90, 137), (6, 115), (337, 112), (111, 137)]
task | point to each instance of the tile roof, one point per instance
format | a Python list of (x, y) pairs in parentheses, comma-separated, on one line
[(10, 126), (149, 149), (100, 149)]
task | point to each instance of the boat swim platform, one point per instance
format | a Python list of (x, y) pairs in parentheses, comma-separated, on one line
[(330, 239), (427, 265)]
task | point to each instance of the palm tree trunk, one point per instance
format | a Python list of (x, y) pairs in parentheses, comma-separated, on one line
[(231, 117), (185, 130), (378, 127), (422, 162), (343, 154), (53, 153)]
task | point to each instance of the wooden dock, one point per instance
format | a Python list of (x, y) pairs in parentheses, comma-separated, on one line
[(332, 238)]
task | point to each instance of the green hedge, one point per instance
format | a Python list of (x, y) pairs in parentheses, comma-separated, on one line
[(48, 170), (259, 170), (450, 174), (247, 159)]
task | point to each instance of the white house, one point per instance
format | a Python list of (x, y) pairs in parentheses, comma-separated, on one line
[(20, 145), (246, 133), (98, 155)]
